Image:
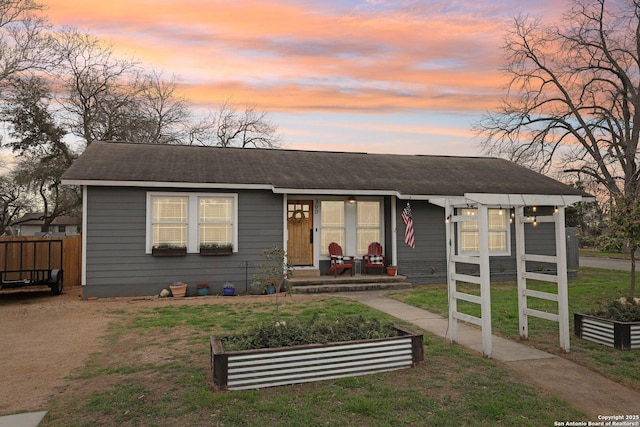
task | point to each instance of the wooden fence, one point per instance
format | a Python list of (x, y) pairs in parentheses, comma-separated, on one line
[(71, 256)]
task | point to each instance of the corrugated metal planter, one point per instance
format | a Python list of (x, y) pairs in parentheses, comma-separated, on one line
[(612, 333), (252, 369)]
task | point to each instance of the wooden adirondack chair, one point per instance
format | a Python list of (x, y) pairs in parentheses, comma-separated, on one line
[(338, 260), (374, 258)]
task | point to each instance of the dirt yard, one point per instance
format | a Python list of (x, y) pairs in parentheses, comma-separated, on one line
[(43, 338)]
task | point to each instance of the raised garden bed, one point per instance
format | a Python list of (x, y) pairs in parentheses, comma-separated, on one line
[(252, 369), (612, 333)]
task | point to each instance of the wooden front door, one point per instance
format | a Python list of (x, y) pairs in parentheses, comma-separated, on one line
[(300, 230)]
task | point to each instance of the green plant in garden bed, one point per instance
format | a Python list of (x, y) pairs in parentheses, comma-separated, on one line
[(315, 330), (616, 310)]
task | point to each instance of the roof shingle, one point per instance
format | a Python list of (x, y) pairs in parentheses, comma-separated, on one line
[(179, 165)]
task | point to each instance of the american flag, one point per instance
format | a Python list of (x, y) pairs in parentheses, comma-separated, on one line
[(408, 223)]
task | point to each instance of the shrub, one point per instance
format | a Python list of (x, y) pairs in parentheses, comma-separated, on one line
[(311, 331), (616, 310)]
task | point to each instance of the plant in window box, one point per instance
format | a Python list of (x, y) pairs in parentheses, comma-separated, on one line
[(168, 249), (216, 249)]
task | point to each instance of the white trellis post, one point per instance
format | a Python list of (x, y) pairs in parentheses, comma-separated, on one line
[(559, 278), (451, 271), (521, 270), (485, 279), (563, 293)]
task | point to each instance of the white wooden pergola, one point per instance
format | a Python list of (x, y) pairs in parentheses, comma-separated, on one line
[(518, 202)]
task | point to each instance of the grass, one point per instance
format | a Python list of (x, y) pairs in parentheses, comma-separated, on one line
[(154, 370), (592, 290)]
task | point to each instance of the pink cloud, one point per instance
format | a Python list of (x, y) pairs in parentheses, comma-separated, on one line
[(283, 56)]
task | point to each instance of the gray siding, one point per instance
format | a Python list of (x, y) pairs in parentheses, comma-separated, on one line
[(427, 263), (116, 234)]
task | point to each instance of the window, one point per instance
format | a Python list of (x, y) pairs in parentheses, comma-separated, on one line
[(332, 223), (368, 226), (215, 220), (169, 220), (499, 238), (191, 219)]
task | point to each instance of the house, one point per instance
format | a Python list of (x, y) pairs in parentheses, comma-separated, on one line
[(140, 196), (30, 224)]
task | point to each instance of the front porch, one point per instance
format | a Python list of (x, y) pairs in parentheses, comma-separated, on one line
[(346, 283)]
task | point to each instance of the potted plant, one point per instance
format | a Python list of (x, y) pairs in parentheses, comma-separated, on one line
[(178, 289), (203, 288), (392, 270), (168, 249), (216, 249), (228, 289), (255, 288), (272, 286)]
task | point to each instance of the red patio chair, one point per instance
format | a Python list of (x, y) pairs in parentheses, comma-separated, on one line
[(374, 258), (339, 261)]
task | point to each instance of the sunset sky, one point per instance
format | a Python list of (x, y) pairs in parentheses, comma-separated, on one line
[(385, 76)]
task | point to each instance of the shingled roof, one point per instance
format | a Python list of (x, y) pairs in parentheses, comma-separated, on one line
[(128, 164)]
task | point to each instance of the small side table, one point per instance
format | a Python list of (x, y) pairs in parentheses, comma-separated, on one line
[(357, 265)]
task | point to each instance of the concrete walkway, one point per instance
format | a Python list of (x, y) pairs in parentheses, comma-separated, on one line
[(586, 390), (31, 419)]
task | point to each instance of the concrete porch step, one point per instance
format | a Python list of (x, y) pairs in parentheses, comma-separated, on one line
[(306, 273), (346, 283), (348, 287)]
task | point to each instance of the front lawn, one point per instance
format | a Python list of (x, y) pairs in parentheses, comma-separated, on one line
[(592, 290), (154, 370)]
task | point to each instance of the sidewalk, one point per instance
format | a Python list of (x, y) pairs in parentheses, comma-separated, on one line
[(586, 390), (606, 263)]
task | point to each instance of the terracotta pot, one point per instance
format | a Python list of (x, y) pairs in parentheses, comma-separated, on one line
[(178, 290), (391, 271)]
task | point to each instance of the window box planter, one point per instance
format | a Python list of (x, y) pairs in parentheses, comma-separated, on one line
[(253, 369), (161, 251), (220, 251), (612, 333)]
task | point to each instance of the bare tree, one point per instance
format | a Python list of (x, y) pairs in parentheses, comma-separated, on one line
[(163, 111), (99, 89), (574, 101), (229, 127), (23, 39)]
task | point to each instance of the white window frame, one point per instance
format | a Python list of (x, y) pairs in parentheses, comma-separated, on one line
[(324, 251), (193, 225), (380, 226), (350, 225), (506, 252)]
